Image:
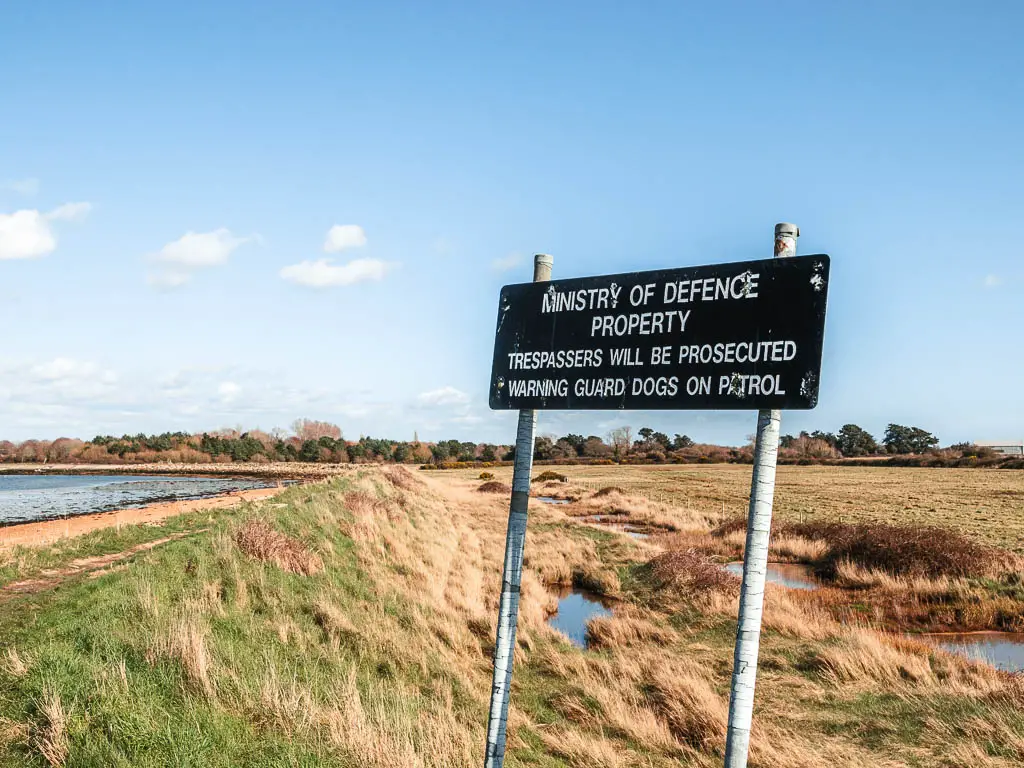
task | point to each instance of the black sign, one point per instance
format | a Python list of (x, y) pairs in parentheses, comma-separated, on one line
[(746, 335)]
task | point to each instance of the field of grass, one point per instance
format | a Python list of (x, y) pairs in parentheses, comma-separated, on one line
[(350, 622), (984, 504)]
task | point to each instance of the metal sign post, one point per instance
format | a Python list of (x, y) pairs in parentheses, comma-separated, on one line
[(755, 560), (746, 335), (515, 540)]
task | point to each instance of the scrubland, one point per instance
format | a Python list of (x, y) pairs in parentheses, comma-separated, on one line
[(351, 622)]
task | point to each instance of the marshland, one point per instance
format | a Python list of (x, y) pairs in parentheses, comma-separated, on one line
[(351, 621)]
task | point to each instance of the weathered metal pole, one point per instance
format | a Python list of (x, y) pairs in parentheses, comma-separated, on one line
[(515, 540), (755, 561)]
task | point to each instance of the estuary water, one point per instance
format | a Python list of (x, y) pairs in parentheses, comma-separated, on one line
[(25, 498)]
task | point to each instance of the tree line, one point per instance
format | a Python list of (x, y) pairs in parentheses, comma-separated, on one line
[(320, 441)]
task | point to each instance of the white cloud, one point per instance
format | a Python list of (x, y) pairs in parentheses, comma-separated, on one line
[(444, 396), (67, 369), (28, 234), (506, 263), (26, 187), (993, 281), (25, 235), (70, 212), (193, 251), (324, 273), (228, 391), (196, 250), (342, 236)]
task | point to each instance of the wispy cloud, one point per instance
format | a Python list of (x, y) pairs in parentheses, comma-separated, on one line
[(447, 395), (29, 234), (25, 187), (992, 281), (324, 273), (510, 261), (180, 259)]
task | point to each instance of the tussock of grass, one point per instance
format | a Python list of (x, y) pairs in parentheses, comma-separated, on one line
[(495, 486), (261, 542), (51, 740)]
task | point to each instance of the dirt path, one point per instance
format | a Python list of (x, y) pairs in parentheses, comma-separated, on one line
[(47, 532)]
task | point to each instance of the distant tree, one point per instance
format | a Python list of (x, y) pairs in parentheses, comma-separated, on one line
[(901, 439), (855, 441), (487, 453), (401, 452), (786, 441), (310, 451), (308, 429), (681, 441), (662, 439), (439, 452), (576, 441), (645, 434), (621, 440), (826, 437), (543, 449), (564, 450), (596, 448)]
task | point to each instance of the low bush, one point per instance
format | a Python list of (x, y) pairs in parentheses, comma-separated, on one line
[(900, 550), (686, 574), (548, 475), (485, 476), (495, 486)]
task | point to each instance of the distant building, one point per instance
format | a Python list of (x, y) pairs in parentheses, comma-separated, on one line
[(1004, 447)]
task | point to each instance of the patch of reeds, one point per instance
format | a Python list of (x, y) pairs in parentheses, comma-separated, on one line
[(259, 541)]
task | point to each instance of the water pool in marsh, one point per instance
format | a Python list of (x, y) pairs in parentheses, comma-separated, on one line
[(552, 500), (575, 608), (26, 498), (790, 575), (1003, 650)]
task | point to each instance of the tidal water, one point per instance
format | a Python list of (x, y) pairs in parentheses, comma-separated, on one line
[(25, 498), (575, 608)]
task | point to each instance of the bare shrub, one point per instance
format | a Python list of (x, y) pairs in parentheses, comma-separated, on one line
[(688, 573), (607, 490), (548, 474), (495, 486), (261, 542)]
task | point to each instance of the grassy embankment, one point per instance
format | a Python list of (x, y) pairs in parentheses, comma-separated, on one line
[(351, 623)]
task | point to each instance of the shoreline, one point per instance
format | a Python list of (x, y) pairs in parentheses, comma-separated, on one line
[(273, 470), (43, 533)]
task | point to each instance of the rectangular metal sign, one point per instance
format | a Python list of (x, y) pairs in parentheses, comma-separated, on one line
[(746, 335)]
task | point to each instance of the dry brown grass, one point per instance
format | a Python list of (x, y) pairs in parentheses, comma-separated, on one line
[(51, 739), (981, 504), (13, 663), (261, 542)]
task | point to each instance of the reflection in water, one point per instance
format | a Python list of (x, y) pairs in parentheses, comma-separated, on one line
[(575, 608), (789, 575), (552, 500), (1003, 650)]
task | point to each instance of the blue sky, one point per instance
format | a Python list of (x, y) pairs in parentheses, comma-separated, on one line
[(360, 179)]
